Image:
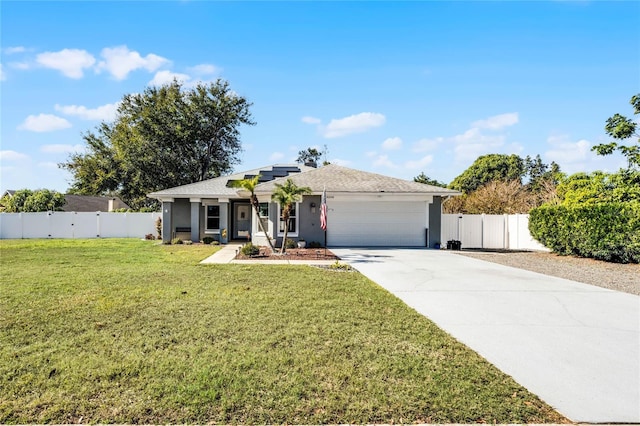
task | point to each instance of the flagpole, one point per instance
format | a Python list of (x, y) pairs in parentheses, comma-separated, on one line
[(323, 217)]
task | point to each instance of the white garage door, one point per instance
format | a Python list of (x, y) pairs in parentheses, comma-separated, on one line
[(376, 223)]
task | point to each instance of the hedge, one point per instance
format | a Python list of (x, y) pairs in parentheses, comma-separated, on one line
[(606, 231)]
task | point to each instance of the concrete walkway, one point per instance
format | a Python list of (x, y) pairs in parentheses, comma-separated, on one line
[(574, 345), (228, 252)]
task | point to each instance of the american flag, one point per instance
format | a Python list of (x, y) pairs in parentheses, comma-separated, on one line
[(323, 210)]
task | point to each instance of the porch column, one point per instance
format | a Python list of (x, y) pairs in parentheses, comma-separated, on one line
[(195, 219), (167, 220), (435, 221), (225, 229)]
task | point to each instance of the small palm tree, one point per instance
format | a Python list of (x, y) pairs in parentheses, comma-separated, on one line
[(287, 195), (250, 184)]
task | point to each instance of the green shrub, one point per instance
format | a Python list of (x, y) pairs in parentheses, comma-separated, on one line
[(208, 240), (149, 237), (290, 244), (177, 241), (159, 227), (250, 249), (314, 244), (605, 231)]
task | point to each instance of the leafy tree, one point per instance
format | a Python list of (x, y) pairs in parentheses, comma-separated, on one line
[(622, 128), (287, 195), (488, 168), (599, 187), (309, 155), (165, 137), (250, 184), (539, 173), (422, 178), (495, 197), (25, 200)]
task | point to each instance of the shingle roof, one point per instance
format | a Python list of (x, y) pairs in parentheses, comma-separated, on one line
[(89, 203), (218, 187), (343, 179)]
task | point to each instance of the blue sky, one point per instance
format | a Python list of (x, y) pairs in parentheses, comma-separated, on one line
[(396, 88)]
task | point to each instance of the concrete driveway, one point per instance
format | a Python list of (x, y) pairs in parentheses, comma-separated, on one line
[(574, 345)]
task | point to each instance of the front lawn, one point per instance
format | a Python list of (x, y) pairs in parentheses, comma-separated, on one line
[(127, 331)]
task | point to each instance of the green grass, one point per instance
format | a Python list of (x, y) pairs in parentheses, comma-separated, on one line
[(125, 331)]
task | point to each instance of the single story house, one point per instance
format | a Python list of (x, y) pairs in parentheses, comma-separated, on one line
[(363, 208)]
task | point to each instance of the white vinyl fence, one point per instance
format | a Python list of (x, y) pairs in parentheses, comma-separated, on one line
[(77, 225), (486, 231)]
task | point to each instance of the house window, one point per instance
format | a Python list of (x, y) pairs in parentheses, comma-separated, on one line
[(263, 213), (293, 221), (213, 218)]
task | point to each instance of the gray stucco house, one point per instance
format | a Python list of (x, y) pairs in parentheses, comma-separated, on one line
[(364, 209)]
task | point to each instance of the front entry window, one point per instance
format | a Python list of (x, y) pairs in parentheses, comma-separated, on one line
[(263, 213), (213, 218), (293, 221)]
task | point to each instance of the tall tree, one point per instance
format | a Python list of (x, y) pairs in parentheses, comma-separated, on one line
[(287, 194), (25, 200), (309, 155), (422, 178), (488, 168), (622, 128), (249, 184), (164, 137)]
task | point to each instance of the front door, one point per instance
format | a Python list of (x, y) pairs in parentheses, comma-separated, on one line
[(242, 221)]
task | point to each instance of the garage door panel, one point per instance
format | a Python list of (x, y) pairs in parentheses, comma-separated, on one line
[(377, 223)]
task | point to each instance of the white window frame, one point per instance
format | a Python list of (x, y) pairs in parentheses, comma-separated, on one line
[(296, 217), (206, 220), (256, 226)]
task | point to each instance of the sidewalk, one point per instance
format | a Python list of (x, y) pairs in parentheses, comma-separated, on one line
[(228, 252)]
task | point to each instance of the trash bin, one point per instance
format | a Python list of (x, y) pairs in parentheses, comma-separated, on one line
[(454, 245)]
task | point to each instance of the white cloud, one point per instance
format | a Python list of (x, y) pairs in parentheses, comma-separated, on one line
[(497, 122), (166, 77), (276, 156), (70, 62), (565, 152), (357, 123), (311, 120), (44, 123), (119, 61), (48, 165), (9, 155), (14, 49), (391, 144), (105, 112), (20, 65), (427, 144), (204, 69), (418, 164), (383, 161), (3, 75), (62, 148)]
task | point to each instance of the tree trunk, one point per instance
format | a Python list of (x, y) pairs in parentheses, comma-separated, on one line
[(285, 218)]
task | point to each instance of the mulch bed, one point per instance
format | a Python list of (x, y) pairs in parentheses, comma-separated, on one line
[(292, 254)]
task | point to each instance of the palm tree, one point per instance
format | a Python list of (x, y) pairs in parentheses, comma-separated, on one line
[(250, 184), (287, 195)]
